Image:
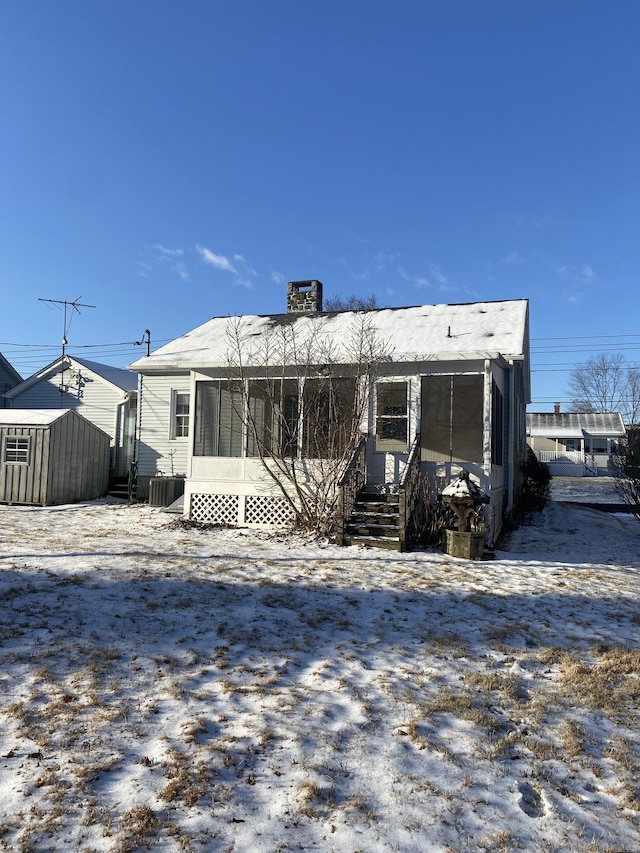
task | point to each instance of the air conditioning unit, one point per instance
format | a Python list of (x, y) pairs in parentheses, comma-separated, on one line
[(163, 491)]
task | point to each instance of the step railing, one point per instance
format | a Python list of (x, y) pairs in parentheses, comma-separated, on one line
[(410, 498), (349, 485)]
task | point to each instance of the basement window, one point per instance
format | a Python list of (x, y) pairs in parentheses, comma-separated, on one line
[(16, 450)]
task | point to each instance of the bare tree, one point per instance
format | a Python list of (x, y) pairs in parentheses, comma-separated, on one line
[(351, 303), (303, 404), (605, 383)]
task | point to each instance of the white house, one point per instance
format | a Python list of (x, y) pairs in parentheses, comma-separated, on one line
[(104, 395), (575, 444), (451, 394)]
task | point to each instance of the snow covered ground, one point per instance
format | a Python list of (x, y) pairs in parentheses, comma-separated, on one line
[(585, 489), (177, 689)]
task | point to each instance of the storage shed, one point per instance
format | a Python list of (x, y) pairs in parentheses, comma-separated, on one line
[(51, 457)]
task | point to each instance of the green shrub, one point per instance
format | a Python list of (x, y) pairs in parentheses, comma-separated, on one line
[(535, 491)]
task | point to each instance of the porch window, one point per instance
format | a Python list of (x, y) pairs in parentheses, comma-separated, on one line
[(180, 405), (16, 450), (218, 420), (273, 418), (452, 418), (391, 416), (328, 413)]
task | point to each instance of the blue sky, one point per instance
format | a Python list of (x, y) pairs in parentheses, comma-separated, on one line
[(169, 162)]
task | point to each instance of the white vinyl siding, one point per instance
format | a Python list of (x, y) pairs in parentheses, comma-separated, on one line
[(157, 451), (91, 396)]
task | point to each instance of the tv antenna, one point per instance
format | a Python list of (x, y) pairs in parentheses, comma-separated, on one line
[(72, 304)]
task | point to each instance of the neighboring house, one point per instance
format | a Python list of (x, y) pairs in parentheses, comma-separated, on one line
[(51, 457), (576, 444), (454, 389), (105, 395), (8, 379)]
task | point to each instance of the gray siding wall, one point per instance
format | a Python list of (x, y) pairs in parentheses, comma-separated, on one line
[(158, 451), (79, 467), (68, 461)]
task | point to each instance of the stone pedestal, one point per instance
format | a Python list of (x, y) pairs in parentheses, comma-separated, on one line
[(464, 544)]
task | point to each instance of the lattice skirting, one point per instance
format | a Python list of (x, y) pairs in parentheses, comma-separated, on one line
[(253, 510)]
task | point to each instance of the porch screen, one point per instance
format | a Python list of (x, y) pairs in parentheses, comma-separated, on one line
[(273, 417), (452, 418), (218, 423), (328, 414)]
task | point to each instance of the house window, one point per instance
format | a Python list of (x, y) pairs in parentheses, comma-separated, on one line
[(599, 445), (452, 418), (218, 419), (391, 416), (180, 414), (16, 450)]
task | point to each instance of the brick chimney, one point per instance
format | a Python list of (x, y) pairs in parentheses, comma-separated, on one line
[(556, 408), (304, 297)]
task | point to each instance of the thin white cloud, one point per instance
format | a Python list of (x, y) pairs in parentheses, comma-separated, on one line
[(182, 271), (174, 253), (220, 262), (438, 275), (512, 258), (587, 272), (384, 259), (238, 267), (277, 278), (584, 274)]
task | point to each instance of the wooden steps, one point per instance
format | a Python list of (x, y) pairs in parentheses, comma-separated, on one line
[(375, 521)]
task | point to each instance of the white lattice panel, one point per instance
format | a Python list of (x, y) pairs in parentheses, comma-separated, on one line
[(264, 509), (216, 509)]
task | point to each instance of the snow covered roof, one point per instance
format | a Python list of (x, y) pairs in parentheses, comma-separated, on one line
[(422, 333), (118, 376), (30, 417), (574, 424)]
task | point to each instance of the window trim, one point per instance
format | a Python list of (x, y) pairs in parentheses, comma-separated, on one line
[(173, 431), (392, 445), (22, 451)]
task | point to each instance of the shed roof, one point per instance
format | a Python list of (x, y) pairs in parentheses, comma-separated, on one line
[(30, 417), (421, 333), (42, 417), (574, 424)]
